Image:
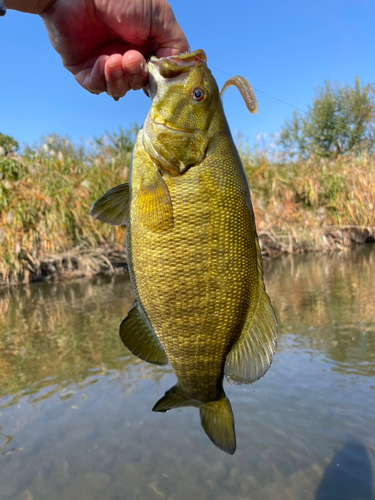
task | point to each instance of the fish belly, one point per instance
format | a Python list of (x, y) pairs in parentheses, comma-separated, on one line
[(196, 281)]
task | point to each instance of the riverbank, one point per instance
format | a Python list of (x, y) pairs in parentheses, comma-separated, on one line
[(318, 205), (46, 231)]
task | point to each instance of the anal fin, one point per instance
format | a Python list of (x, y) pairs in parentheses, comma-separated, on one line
[(139, 337)]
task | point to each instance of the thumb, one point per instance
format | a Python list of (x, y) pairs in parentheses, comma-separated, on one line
[(167, 33)]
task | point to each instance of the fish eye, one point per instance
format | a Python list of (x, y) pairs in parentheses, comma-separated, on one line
[(199, 94)]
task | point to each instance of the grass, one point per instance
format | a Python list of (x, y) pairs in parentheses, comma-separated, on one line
[(46, 193), (317, 204)]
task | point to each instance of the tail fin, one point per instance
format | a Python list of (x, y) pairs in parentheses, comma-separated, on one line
[(218, 423), (173, 398), (216, 417)]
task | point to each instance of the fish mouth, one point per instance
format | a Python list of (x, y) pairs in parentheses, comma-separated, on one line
[(172, 66), (162, 122)]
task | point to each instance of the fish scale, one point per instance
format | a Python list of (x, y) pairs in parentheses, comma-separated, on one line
[(192, 248), (195, 282)]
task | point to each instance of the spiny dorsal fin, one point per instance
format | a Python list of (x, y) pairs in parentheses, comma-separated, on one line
[(154, 203), (253, 353), (246, 91), (139, 337), (218, 423), (113, 207)]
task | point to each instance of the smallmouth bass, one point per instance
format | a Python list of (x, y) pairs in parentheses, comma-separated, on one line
[(192, 247)]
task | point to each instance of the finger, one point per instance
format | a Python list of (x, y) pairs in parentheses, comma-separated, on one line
[(168, 34), (93, 79), (117, 84), (135, 69)]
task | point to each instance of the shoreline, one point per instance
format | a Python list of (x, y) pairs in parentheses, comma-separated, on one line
[(84, 262), (46, 232)]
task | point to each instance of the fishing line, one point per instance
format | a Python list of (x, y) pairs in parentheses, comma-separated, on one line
[(291, 105)]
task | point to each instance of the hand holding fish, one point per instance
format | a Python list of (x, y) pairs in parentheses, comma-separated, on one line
[(104, 42)]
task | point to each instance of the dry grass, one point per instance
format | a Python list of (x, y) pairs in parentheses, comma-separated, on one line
[(315, 205), (45, 218), (46, 194)]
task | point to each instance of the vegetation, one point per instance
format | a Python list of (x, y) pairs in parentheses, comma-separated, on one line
[(45, 199), (317, 203), (7, 144), (341, 120), (313, 204)]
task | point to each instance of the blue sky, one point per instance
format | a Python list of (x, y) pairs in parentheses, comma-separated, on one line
[(284, 48)]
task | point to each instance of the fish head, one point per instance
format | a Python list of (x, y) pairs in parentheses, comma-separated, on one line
[(184, 113)]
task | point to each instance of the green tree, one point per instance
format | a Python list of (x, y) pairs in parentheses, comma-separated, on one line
[(341, 119), (8, 144), (10, 166)]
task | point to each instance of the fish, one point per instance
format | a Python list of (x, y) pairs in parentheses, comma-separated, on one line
[(192, 248)]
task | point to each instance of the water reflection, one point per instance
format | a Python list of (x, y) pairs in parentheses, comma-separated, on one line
[(348, 476), (75, 406), (328, 303), (53, 335)]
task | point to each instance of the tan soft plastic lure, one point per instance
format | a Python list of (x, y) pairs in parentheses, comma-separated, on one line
[(245, 90)]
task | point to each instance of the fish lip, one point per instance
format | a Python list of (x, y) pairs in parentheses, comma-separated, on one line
[(171, 127), (185, 58), (179, 64)]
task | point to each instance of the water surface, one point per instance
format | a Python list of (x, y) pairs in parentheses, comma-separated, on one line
[(75, 406)]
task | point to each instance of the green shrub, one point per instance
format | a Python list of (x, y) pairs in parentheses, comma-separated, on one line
[(340, 120)]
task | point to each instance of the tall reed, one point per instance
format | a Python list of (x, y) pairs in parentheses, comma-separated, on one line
[(46, 193)]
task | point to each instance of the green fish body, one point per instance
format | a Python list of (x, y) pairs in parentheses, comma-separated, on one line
[(192, 248)]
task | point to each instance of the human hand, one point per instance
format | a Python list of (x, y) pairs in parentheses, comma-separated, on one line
[(104, 42)]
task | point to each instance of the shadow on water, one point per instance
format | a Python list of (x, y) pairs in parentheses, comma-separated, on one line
[(348, 476)]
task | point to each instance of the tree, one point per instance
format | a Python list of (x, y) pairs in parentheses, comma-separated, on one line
[(8, 144), (341, 119)]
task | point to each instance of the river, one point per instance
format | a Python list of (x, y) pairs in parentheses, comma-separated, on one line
[(75, 406)]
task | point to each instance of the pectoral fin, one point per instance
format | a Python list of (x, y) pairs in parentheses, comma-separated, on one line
[(154, 203), (253, 353), (113, 207), (139, 337)]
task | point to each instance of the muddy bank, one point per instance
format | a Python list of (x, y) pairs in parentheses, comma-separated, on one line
[(85, 262), (328, 240), (76, 263)]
